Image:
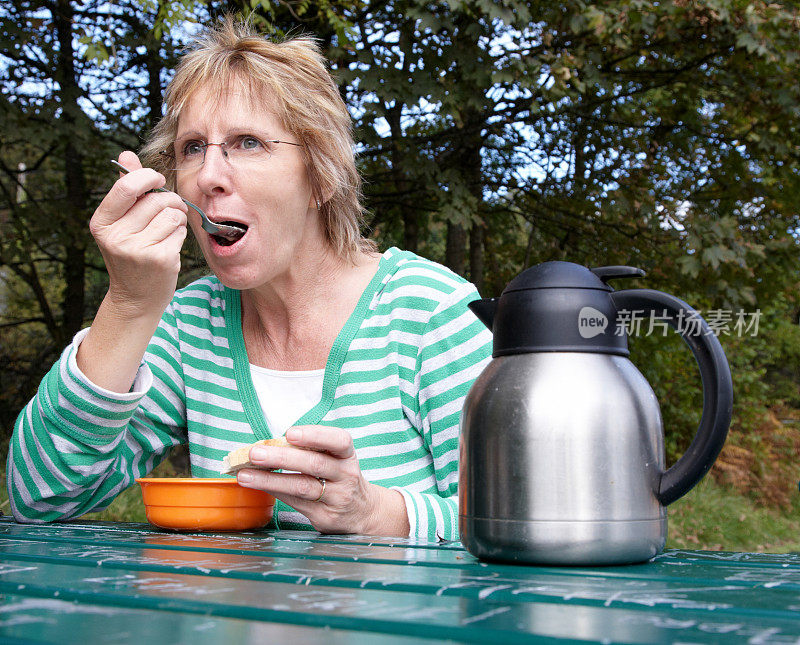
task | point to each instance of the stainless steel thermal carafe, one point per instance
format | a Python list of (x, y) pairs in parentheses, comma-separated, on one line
[(561, 448)]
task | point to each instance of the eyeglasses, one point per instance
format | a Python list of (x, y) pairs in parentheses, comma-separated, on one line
[(241, 150)]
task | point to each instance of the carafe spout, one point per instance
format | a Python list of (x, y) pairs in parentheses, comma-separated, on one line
[(485, 310)]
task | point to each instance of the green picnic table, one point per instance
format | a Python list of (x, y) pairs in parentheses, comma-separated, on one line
[(86, 582)]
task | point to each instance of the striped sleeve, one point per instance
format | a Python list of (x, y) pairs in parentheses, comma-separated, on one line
[(455, 347), (76, 446)]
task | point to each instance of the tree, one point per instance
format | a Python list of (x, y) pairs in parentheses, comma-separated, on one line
[(80, 82)]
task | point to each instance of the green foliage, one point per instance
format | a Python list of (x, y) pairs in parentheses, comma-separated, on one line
[(669, 367), (763, 355)]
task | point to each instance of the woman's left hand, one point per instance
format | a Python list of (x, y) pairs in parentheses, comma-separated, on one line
[(327, 485)]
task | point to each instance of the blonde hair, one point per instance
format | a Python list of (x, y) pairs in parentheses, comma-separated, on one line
[(293, 77)]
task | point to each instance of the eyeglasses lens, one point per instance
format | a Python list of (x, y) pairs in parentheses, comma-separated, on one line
[(239, 151)]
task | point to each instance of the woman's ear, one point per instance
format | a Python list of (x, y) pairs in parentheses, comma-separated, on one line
[(318, 201)]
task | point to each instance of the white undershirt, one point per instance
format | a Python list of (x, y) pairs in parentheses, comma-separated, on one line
[(286, 396)]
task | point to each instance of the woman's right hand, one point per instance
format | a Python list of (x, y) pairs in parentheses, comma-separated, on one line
[(140, 236)]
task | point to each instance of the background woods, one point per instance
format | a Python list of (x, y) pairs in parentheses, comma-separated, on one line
[(492, 134)]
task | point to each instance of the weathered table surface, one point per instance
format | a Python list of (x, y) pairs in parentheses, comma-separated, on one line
[(84, 582)]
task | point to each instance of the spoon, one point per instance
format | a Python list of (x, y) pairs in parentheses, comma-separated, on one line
[(226, 231)]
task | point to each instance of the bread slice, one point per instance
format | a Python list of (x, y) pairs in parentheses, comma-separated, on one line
[(237, 459)]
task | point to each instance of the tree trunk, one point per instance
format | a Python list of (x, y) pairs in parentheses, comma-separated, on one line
[(473, 176), (476, 255), (154, 90), (73, 296), (411, 230), (494, 285), (456, 247), (409, 216), (467, 160)]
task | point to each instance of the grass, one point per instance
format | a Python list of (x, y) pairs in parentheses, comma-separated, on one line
[(715, 517), (711, 517)]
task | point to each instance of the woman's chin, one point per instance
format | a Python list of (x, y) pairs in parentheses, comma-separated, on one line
[(239, 278), (232, 264)]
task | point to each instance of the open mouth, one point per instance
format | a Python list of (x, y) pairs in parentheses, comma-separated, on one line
[(232, 233)]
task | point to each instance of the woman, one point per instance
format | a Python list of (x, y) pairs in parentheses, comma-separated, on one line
[(365, 358)]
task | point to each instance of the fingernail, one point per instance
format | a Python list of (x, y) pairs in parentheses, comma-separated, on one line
[(294, 434), (244, 477), (257, 454)]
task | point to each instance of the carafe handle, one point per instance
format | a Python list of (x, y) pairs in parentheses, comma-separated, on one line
[(717, 387)]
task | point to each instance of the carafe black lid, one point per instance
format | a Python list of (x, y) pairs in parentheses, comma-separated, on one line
[(557, 307), (567, 275)]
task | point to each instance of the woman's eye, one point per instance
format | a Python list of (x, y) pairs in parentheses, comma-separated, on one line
[(248, 142), (191, 148)]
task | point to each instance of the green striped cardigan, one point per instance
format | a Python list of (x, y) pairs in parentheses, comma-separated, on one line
[(396, 379)]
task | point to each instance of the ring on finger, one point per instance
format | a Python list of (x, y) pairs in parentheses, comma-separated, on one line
[(322, 492)]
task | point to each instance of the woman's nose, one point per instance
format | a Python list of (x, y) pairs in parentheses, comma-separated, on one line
[(214, 174)]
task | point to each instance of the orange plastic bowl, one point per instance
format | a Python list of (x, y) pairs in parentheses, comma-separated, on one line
[(204, 504)]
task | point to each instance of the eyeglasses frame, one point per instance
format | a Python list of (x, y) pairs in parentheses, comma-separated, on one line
[(171, 153)]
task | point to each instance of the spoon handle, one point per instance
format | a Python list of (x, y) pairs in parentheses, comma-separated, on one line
[(208, 225)]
